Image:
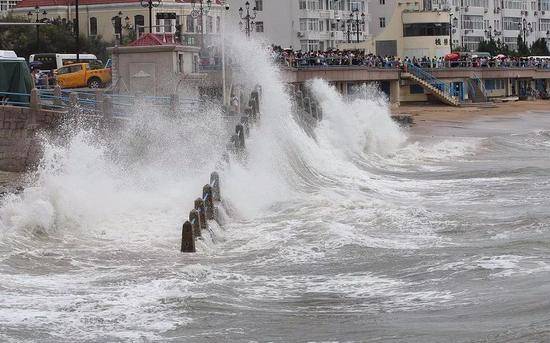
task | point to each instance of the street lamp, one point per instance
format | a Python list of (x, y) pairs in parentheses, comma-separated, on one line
[(489, 33), (249, 18), (150, 4), (200, 14), (354, 17), (37, 12), (526, 27), (346, 24), (454, 25), (117, 25)]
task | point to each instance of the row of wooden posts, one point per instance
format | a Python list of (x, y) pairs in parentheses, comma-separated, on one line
[(305, 102), (205, 207)]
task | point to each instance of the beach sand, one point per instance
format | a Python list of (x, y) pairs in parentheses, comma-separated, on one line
[(444, 113)]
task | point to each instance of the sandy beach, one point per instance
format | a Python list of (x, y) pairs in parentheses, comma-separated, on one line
[(436, 112)]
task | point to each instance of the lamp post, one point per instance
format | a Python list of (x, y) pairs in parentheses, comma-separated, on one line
[(525, 28), (224, 91), (37, 12), (150, 4), (117, 25), (453, 26), (200, 14), (346, 24), (248, 18), (354, 17), (489, 33)]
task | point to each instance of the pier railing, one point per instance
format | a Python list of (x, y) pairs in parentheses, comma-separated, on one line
[(117, 104)]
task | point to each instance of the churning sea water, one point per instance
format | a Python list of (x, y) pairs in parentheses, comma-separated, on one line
[(356, 232)]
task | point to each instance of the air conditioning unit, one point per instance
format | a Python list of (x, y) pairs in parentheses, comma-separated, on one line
[(466, 8), (536, 13), (457, 9), (300, 34), (332, 34), (485, 10)]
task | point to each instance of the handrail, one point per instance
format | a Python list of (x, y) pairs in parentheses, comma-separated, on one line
[(430, 79)]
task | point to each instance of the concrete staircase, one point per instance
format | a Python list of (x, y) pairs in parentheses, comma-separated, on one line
[(438, 88)]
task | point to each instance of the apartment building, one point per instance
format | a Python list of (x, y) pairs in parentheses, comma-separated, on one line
[(6, 5), (477, 20), (98, 17), (306, 24)]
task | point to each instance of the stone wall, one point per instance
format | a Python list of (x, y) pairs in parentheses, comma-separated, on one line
[(19, 146)]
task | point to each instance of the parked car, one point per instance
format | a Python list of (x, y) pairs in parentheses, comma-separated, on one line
[(79, 75)]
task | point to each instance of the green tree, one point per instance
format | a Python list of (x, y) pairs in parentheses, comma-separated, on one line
[(57, 38), (540, 48), (523, 48)]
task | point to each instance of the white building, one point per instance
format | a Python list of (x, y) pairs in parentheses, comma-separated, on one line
[(477, 20), (5, 5), (305, 24)]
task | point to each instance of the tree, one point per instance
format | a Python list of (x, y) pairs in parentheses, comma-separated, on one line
[(523, 48), (57, 38), (540, 48)]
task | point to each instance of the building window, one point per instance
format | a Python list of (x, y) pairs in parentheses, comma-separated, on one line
[(303, 4), (382, 22), (218, 24), (382, 2), (190, 24), (513, 4), (259, 5), (139, 23), (472, 22), (425, 29), (93, 26), (259, 26), (511, 23), (209, 24), (309, 24)]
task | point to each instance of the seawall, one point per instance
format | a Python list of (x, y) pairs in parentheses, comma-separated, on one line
[(19, 126)]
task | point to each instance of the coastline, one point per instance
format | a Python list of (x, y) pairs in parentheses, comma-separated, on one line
[(444, 113)]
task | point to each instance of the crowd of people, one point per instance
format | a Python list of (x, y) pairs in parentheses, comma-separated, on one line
[(336, 57)]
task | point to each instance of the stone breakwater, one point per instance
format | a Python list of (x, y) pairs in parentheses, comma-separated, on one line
[(19, 145)]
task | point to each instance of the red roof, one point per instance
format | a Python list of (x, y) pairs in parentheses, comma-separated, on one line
[(154, 39), (46, 3)]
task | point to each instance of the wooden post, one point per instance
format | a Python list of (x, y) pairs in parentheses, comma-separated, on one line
[(107, 107), (239, 131), (35, 99), (199, 206), (99, 100), (57, 96), (208, 201), (187, 238), (307, 105), (174, 102), (73, 100), (215, 183), (195, 220), (244, 122)]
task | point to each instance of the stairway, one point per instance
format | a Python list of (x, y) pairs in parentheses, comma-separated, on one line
[(438, 88), (479, 94)]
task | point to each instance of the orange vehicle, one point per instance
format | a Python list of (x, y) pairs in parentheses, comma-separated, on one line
[(79, 75)]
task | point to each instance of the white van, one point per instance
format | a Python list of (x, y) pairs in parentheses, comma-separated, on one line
[(51, 61), (10, 55)]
